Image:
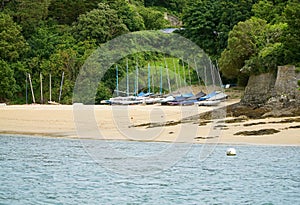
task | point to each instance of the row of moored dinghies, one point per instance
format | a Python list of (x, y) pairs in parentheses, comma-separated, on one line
[(201, 99)]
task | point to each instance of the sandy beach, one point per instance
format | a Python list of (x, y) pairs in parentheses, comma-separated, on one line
[(144, 123)]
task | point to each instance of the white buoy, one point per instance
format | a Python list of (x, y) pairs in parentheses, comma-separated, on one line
[(231, 152)]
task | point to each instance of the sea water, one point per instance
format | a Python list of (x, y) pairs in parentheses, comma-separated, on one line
[(64, 171)]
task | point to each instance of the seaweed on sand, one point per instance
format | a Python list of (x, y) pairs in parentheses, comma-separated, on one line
[(258, 132), (255, 123)]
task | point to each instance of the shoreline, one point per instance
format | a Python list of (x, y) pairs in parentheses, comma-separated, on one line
[(145, 141), (133, 123)]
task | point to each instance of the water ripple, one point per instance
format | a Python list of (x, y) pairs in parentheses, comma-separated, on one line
[(59, 171)]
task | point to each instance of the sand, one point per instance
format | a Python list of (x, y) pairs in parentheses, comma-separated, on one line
[(132, 123)]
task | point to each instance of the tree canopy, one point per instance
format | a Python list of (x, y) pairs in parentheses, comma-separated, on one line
[(263, 42), (208, 22), (253, 47), (7, 82), (49, 37), (12, 43), (101, 24)]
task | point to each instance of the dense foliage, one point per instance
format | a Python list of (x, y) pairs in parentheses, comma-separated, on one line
[(52, 37), (260, 44), (208, 22), (43, 38)]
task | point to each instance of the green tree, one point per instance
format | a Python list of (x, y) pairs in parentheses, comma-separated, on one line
[(12, 42), (128, 14), (253, 47), (7, 82), (103, 93), (48, 38), (153, 19), (66, 11), (101, 24), (30, 13), (269, 10), (292, 35), (53, 51), (4, 3), (208, 22), (176, 6)]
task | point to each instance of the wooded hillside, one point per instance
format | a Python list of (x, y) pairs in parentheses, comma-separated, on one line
[(43, 37)]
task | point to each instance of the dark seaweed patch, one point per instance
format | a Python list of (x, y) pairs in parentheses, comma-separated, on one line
[(255, 123), (205, 137), (258, 132), (294, 127)]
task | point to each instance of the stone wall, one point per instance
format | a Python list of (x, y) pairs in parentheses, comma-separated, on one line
[(298, 92), (286, 82), (280, 91), (259, 90)]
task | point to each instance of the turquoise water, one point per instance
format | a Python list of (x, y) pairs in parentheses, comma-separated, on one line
[(61, 171)]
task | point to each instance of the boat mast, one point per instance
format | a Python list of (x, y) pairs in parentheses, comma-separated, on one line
[(117, 80), (176, 80), (41, 81), (26, 85), (184, 78), (170, 90), (50, 88), (157, 77), (179, 77), (127, 79), (212, 70), (161, 72), (189, 69), (137, 79), (149, 81), (152, 79), (33, 98), (61, 84)]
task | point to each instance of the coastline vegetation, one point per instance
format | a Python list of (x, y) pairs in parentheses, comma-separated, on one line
[(55, 36)]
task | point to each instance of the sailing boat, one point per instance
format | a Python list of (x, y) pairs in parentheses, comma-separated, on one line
[(128, 99), (215, 97)]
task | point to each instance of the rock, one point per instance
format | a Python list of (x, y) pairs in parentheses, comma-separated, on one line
[(265, 90), (278, 113)]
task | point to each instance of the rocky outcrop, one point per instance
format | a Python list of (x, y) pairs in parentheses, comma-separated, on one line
[(277, 92)]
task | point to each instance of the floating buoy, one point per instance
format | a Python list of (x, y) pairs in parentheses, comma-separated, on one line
[(231, 152)]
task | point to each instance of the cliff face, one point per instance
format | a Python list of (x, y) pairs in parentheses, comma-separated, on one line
[(268, 90)]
